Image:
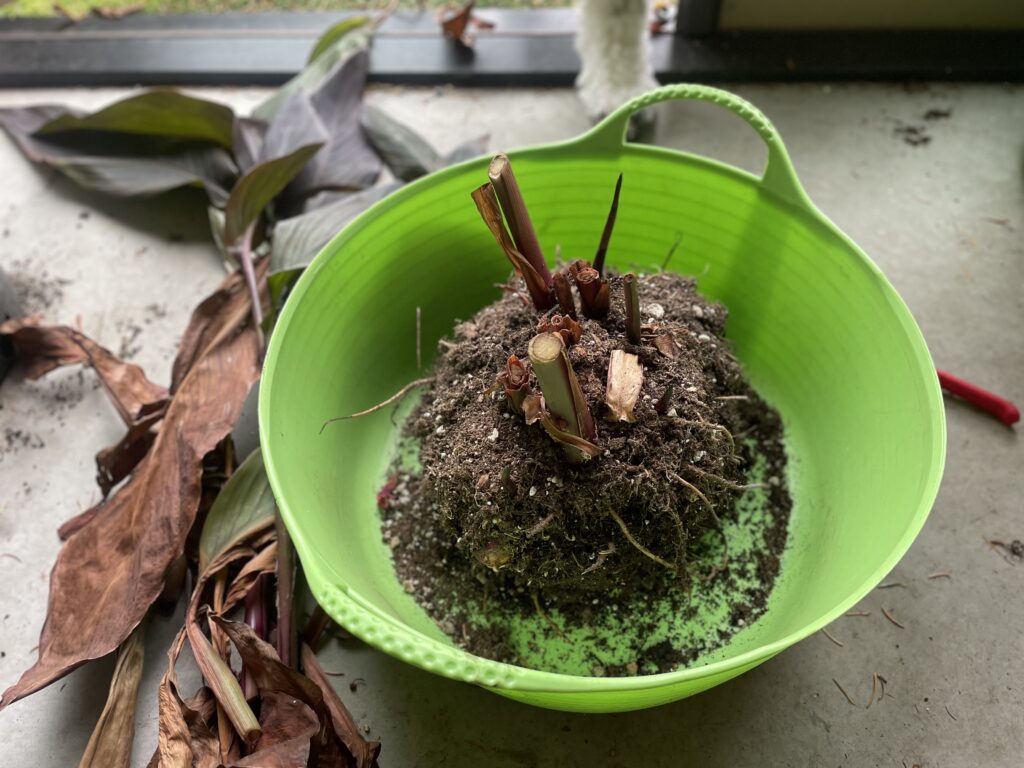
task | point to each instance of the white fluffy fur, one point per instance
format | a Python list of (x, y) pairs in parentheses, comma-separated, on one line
[(613, 46)]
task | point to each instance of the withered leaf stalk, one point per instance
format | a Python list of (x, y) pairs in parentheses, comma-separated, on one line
[(514, 207), (536, 284)]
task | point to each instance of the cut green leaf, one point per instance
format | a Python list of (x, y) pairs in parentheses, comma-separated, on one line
[(407, 154), (298, 239), (295, 125), (348, 161), (224, 684), (340, 49), (162, 113), (335, 35), (243, 508), (258, 187)]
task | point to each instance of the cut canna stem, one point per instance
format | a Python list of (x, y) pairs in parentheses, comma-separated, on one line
[(593, 291), (537, 285), (515, 382), (562, 394), (632, 299), (609, 225), (512, 204), (225, 687), (563, 293)]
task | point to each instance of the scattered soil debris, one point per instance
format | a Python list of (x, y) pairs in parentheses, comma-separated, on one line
[(935, 113), (15, 440), (1012, 552), (914, 135), (38, 291)]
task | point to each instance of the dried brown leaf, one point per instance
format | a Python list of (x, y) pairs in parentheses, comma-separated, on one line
[(625, 379), (666, 344), (365, 752), (288, 726), (184, 738), (110, 572), (114, 463), (42, 348), (263, 563), (533, 408), (110, 745), (454, 24)]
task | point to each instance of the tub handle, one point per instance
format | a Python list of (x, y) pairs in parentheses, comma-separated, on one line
[(779, 177)]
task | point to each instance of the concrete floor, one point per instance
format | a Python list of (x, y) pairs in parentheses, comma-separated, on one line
[(943, 220)]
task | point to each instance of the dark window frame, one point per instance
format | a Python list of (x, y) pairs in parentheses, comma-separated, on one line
[(531, 47)]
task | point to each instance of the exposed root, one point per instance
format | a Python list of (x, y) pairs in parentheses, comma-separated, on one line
[(639, 547), (540, 526), (547, 619), (397, 396), (697, 491), (602, 555), (727, 483)]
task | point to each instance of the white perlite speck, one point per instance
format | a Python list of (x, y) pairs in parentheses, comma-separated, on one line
[(533, 490), (493, 437), (654, 310), (697, 311)]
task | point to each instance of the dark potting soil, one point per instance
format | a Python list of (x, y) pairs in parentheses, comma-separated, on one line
[(522, 556)]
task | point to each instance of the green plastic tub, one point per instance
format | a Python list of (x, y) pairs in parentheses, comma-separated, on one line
[(822, 334)]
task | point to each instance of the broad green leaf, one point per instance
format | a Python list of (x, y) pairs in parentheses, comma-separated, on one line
[(209, 168), (130, 166), (467, 150), (404, 151), (340, 50), (244, 506), (295, 125), (334, 34), (298, 239), (348, 161), (155, 113), (258, 187), (247, 141)]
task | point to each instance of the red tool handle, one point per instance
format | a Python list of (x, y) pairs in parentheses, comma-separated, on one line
[(1002, 409)]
